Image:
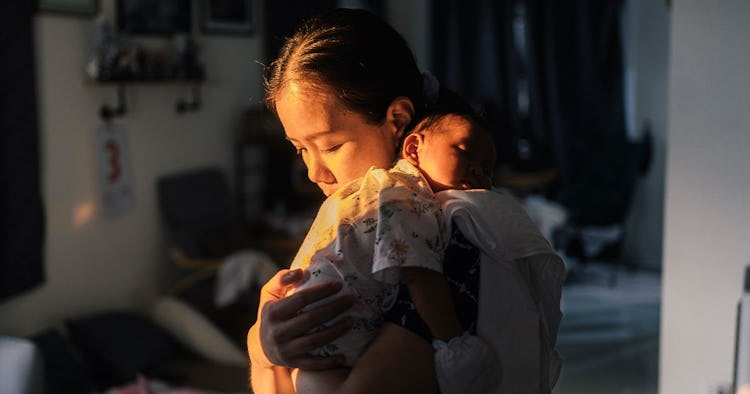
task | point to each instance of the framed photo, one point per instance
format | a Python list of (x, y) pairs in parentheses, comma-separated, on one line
[(73, 7), (149, 17), (228, 16)]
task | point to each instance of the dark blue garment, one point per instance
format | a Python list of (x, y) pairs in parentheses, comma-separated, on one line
[(461, 270)]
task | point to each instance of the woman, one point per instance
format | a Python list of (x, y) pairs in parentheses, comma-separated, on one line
[(346, 89)]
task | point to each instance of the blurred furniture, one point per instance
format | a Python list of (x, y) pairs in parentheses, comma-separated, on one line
[(21, 369), (270, 178), (206, 234), (201, 220), (527, 183), (203, 229), (97, 352), (598, 203)]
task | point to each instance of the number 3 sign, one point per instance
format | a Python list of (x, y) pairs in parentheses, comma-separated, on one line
[(114, 177)]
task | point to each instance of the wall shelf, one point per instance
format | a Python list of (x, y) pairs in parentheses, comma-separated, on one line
[(107, 112)]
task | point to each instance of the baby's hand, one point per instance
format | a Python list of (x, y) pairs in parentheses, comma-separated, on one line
[(466, 364)]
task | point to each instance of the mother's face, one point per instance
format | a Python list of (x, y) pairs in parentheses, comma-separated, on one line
[(336, 144)]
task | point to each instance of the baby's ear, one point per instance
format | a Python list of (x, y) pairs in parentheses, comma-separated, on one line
[(410, 149)]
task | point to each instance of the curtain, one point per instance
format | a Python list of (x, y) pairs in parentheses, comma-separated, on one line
[(21, 215), (547, 73)]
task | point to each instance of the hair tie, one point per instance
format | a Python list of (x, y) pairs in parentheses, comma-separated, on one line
[(430, 87)]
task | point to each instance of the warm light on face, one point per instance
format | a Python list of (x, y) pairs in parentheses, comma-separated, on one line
[(336, 144), (83, 213), (456, 154)]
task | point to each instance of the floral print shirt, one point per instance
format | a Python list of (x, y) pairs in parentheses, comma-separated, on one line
[(372, 227)]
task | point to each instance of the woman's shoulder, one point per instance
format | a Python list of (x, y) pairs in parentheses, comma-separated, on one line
[(403, 179)]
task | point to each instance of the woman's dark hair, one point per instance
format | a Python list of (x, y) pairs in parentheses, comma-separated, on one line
[(355, 54)]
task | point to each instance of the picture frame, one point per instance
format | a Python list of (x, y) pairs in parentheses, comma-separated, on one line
[(149, 17), (228, 17), (83, 8)]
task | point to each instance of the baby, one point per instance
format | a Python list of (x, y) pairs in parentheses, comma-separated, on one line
[(387, 228)]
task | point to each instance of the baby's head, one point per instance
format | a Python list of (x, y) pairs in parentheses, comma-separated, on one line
[(452, 147)]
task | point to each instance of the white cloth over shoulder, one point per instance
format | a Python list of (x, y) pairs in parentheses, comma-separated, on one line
[(520, 286)]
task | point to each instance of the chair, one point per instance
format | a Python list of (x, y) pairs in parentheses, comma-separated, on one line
[(598, 203), (204, 231), (200, 217)]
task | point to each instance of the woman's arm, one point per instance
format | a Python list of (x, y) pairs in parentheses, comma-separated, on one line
[(278, 340), (397, 361)]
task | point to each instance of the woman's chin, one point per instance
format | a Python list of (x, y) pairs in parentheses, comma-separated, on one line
[(328, 189)]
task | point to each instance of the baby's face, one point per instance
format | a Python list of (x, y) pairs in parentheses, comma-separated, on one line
[(459, 155)]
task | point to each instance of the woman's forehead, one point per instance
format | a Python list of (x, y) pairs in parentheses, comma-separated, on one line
[(308, 114), (305, 111)]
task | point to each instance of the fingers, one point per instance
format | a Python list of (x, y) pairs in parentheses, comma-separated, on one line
[(278, 285), (293, 277), (291, 305), (327, 312), (307, 343), (285, 326), (318, 339), (289, 327)]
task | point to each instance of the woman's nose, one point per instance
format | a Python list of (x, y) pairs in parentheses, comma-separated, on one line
[(317, 171)]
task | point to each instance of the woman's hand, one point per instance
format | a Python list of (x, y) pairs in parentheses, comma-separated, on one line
[(282, 324)]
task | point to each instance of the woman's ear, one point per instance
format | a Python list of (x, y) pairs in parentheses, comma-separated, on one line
[(410, 149), (399, 114)]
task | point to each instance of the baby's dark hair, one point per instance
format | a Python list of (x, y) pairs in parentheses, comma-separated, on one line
[(449, 103), (354, 54)]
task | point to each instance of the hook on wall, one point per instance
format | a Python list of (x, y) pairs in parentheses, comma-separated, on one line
[(193, 104), (106, 112)]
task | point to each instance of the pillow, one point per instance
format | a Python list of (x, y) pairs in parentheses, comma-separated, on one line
[(196, 332), (118, 345)]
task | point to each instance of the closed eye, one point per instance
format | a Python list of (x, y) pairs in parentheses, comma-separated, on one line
[(331, 149), (461, 149)]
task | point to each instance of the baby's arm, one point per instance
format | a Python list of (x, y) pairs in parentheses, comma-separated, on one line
[(430, 293), (463, 363)]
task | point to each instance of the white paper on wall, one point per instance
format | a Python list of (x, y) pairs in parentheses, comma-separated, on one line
[(114, 171)]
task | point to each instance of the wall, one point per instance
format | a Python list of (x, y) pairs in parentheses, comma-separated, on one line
[(95, 261), (646, 31), (707, 220), (411, 19)]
